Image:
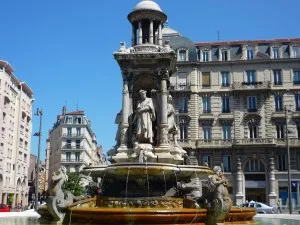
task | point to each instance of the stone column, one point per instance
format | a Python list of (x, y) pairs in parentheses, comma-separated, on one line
[(140, 33), (163, 143), (239, 197), (151, 36), (123, 148), (133, 38), (160, 34), (272, 194)]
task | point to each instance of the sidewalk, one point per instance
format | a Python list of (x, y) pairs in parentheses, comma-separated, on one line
[(279, 216), (27, 213)]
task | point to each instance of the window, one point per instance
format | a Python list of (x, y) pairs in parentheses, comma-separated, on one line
[(77, 168), (224, 55), (252, 107), (205, 56), (252, 131), (226, 132), (278, 103), (225, 105), (68, 156), (227, 163), (182, 55), (79, 120), (78, 131), (254, 165), (205, 79), (69, 131), (280, 131), (206, 160), (297, 102), (68, 144), (296, 76), (275, 53), (282, 163), (250, 77), (69, 120), (183, 130), (277, 77), (77, 156), (250, 53), (296, 51), (77, 144), (206, 105), (207, 133), (182, 105), (225, 79), (298, 132)]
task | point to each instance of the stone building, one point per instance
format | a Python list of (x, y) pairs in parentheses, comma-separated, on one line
[(231, 99), (16, 100), (71, 143)]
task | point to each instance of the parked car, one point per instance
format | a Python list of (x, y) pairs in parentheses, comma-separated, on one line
[(4, 208), (261, 207)]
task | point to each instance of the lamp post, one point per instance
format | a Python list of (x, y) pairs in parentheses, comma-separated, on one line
[(288, 160), (39, 113)]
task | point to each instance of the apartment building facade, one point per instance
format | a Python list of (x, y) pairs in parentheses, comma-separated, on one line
[(71, 144), (16, 100), (232, 100)]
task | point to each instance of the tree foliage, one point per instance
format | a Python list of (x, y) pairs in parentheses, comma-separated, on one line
[(73, 184)]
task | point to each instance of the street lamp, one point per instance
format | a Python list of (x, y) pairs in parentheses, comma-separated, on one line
[(288, 160), (39, 112)]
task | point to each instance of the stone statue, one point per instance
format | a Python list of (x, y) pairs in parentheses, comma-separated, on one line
[(171, 117), (118, 120), (220, 202), (58, 200), (144, 117), (173, 130)]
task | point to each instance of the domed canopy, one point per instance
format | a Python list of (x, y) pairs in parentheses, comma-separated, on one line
[(147, 5)]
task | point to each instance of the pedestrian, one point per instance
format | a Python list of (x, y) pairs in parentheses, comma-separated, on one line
[(279, 206)]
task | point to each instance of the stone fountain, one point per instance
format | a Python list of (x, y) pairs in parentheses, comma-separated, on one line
[(150, 180)]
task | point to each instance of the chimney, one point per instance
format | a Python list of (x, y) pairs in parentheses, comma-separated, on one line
[(64, 110)]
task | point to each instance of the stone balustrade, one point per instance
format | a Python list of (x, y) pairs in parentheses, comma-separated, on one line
[(220, 143), (242, 86)]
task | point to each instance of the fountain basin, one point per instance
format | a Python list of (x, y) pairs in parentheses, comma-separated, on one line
[(138, 169)]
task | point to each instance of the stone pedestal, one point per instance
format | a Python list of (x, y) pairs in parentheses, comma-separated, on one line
[(239, 183), (272, 194)]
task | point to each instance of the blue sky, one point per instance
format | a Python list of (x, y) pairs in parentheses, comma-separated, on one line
[(63, 48)]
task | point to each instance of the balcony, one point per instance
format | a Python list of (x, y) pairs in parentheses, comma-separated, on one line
[(255, 142), (279, 115), (214, 143), (65, 135), (72, 160), (251, 86), (74, 148), (246, 142), (184, 143), (180, 87)]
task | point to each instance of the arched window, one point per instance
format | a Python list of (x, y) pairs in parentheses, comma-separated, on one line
[(254, 165)]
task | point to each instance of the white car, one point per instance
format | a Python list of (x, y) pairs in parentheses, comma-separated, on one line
[(261, 207)]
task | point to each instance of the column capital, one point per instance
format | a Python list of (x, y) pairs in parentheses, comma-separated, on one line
[(163, 73)]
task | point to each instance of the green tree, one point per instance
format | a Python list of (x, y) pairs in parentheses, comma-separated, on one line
[(73, 184)]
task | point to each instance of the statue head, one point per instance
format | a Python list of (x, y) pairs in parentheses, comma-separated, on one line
[(142, 94), (170, 99), (217, 170)]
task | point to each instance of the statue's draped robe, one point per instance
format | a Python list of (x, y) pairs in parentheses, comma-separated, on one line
[(171, 118), (145, 119)]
